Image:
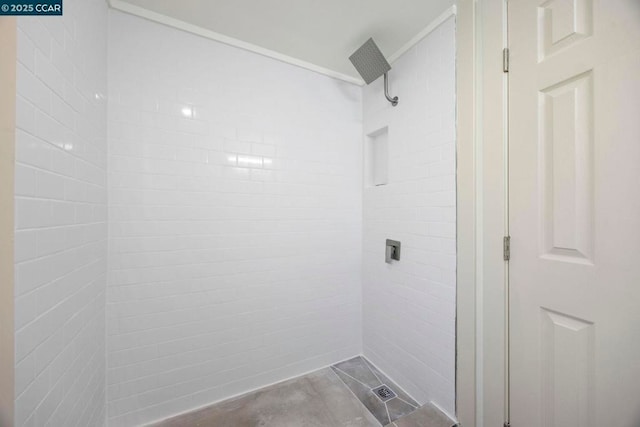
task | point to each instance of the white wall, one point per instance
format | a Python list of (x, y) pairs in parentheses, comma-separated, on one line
[(235, 249), (409, 306), (60, 221)]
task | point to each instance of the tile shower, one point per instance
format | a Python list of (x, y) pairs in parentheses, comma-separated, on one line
[(224, 218), (210, 208)]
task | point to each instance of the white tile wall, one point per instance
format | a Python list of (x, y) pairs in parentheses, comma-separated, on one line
[(235, 212), (235, 221), (409, 307), (61, 230)]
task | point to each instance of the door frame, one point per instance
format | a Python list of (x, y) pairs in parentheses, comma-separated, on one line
[(481, 386)]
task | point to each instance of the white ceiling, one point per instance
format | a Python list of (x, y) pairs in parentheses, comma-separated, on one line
[(321, 33)]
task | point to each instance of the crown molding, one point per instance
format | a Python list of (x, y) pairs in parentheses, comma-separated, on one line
[(131, 9), (451, 11), (194, 29)]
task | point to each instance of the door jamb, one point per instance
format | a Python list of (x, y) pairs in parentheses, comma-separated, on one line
[(481, 189)]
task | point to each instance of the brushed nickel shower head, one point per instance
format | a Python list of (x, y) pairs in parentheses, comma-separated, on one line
[(371, 64)]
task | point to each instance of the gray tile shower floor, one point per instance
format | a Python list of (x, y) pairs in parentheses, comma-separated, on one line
[(361, 377), (339, 396)]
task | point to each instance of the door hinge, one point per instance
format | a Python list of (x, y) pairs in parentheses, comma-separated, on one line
[(506, 249), (505, 60)]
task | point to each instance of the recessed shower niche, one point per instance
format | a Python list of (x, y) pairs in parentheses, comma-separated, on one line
[(377, 158)]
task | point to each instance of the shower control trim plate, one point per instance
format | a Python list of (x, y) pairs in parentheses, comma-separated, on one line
[(392, 251)]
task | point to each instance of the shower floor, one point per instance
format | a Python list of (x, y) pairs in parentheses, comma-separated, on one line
[(339, 396)]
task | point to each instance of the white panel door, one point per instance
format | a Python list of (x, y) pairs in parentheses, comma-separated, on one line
[(574, 138)]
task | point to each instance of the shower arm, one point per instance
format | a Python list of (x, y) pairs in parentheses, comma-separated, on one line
[(394, 100)]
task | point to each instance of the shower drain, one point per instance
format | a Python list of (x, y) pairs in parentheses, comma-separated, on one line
[(384, 393)]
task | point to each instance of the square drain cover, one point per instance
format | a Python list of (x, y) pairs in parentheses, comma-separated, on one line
[(384, 393)]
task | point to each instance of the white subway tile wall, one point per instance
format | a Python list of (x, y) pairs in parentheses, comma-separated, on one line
[(61, 217), (235, 214), (409, 306)]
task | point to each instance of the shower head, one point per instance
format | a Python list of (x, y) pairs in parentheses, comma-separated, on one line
[(369, 61), (371, 64)]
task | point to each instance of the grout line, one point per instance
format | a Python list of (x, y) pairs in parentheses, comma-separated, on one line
[(56, 253), (354, 395), (355, 379), (387, 408), (445, 413), (371, 370), (389, 377), (59, 303), (196, 335), (234, 396), (71, 341), (410, 404)]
